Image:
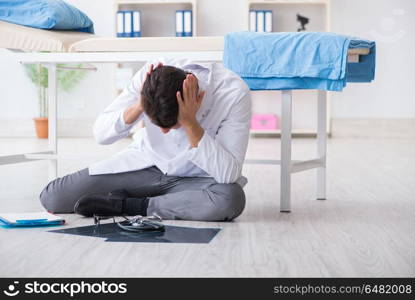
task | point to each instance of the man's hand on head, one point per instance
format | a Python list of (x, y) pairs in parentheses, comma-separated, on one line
[(151, 69), (189, 105), (191, 101)]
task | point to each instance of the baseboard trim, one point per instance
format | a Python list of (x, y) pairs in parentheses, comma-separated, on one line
[(373, 128), (66, 128), (340, 128)]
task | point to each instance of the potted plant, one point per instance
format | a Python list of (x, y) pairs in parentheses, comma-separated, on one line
[(67, 79)]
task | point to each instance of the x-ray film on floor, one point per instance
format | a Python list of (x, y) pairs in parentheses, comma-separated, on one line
[(172, 234)]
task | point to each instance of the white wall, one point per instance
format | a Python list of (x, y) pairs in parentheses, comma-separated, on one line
[(390, 23)]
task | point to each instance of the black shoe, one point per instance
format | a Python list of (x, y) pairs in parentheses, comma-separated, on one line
[(111, 204)]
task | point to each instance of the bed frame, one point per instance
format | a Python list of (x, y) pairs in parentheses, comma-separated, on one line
[(196, 49)]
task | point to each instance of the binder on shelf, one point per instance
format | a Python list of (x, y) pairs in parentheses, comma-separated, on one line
[(136, 32), (179, 23), (252, 20), (120, 24), (188, 20), (268, 21), (184, 23), (260, 21), (128, 24)]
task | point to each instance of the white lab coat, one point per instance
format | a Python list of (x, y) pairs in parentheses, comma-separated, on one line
[(224, 115)]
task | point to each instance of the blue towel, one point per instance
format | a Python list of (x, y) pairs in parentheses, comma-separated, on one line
[(45, 14), (364, 71), (277, 61)]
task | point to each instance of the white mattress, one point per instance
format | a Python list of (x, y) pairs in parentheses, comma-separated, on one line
[(99, 44), (31, 39)]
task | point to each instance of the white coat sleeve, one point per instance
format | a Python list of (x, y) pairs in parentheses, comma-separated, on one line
[(110, 125), (221, 155)]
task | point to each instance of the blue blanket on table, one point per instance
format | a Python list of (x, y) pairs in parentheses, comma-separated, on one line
[(278, 61), (364, 71), (45, 14)]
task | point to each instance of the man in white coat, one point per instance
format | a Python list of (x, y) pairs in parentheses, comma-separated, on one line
[(186, 162)]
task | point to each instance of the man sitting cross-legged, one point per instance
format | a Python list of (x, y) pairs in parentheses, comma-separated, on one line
[(184, 164)]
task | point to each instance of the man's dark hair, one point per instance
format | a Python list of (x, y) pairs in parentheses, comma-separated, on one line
[(159, 95)]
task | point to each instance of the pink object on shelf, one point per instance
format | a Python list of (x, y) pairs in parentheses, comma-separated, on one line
[(264, 122)]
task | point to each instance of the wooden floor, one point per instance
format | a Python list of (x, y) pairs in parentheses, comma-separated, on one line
[(366, 227)]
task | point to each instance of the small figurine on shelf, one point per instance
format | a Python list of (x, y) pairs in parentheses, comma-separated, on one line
[(303, 21)]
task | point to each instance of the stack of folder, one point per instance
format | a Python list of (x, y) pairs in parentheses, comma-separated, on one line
[(260, 20), (128, 23), (10, 220), (184, 23)]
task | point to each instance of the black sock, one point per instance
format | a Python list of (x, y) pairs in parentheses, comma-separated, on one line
[(136, 206)]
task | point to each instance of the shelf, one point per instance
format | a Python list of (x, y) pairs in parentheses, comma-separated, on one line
[(159, 12), (284, 12)]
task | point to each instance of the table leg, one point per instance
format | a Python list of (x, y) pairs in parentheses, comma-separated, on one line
[(321, 143), (52, 102), (286, 133)]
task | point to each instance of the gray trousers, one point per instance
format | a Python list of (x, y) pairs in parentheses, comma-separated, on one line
[(171, 197)]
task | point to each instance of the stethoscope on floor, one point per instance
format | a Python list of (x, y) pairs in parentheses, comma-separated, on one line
[(136, 224), (141, 224)]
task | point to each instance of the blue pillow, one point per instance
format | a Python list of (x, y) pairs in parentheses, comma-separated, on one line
[(45, 14)]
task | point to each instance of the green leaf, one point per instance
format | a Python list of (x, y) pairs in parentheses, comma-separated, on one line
[(67, 79)]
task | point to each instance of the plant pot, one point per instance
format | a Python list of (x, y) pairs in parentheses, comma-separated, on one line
[(41, 125)]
